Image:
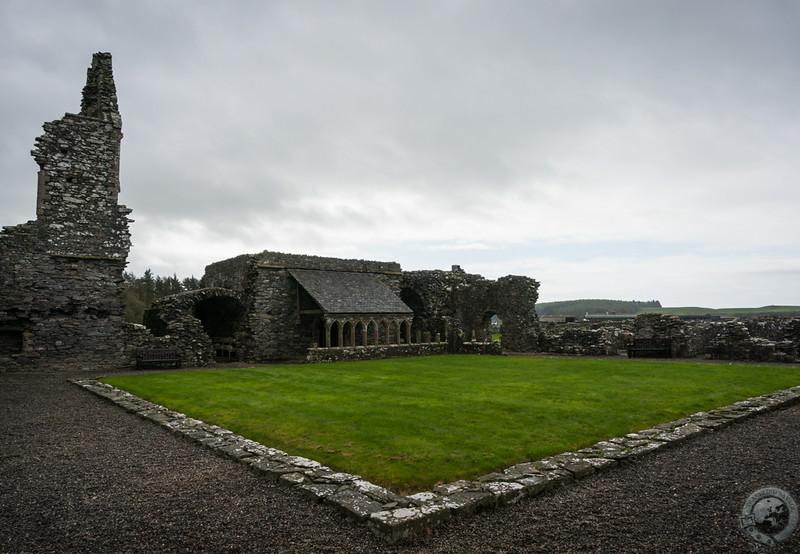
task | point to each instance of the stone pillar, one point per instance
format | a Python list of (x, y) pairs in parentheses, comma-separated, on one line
[(327, 335)]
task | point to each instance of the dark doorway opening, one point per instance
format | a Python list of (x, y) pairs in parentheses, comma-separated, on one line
[(221, 317), (10, 341)]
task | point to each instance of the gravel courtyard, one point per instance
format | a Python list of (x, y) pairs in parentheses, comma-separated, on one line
[(78, 474)]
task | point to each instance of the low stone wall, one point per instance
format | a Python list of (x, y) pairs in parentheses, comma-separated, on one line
[(757, 339), (347, 353), (487, 348), (586, 338)]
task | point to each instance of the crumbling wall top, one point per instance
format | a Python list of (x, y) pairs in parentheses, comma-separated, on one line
[(100, 94)]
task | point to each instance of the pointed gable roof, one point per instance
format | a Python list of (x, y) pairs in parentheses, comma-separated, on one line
[(343, 292)]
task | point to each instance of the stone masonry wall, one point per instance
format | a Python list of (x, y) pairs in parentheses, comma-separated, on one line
[(757, 339), (457, 304), (180, 322), (269, 295), (585, 338), (375, 352), (60, 275)]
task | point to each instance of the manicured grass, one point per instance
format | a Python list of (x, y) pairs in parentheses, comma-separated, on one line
[(410, 423)]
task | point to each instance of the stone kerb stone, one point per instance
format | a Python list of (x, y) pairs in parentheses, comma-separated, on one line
[(395, 517)]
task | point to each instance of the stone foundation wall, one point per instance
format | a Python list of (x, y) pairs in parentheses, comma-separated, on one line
[(585, 338), (484, 348), (757, 339), (375, 352)]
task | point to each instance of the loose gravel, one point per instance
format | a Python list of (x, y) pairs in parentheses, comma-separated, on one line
[(78, 474)]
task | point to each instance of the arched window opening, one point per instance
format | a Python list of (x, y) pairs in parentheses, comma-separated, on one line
[(335, 330), (361, 335), (491, 327), (405, 332), (348, 334), (372, 333)]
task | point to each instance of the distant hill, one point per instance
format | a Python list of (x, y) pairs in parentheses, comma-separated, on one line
[(694, 310), (593, 306)]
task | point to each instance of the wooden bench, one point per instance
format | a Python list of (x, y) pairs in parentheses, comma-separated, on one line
[(650, 348), (157, 355)]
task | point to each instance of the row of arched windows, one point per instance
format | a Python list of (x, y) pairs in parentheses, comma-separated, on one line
[(356, 332)]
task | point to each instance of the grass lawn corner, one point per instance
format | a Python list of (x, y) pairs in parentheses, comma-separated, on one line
[(408, 424)]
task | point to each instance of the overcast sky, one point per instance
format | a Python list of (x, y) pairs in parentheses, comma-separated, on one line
[(609, 149)]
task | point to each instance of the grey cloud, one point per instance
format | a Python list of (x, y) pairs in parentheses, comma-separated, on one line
[(240, 113)]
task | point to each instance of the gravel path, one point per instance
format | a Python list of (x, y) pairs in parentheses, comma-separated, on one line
[(78, 474)]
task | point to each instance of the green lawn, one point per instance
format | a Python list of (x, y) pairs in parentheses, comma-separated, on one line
[(410, 423)]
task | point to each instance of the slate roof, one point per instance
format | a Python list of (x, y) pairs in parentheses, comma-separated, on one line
[(341, 292)]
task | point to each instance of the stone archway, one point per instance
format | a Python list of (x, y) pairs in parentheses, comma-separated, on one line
[(414, 300), (206, 324)]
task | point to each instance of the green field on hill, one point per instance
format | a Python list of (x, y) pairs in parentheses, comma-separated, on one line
[(411, 423), (695, 310)]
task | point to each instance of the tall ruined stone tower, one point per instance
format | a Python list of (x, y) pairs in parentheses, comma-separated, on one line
[(78, 157), (60, 275)]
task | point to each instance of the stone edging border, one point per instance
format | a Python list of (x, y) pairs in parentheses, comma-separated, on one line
[(394, 517)]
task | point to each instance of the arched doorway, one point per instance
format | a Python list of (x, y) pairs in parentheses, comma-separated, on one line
[(413, 300), (221, 317)]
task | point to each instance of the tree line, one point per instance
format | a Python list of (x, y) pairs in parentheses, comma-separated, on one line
[(140, 292)]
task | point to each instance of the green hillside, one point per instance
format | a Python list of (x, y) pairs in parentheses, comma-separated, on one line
[(694, 310), (630, 307), (593, 306)]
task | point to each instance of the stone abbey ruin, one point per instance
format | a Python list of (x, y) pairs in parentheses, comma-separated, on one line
[(61, 300)]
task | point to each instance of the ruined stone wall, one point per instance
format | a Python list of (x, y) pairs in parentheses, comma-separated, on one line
[(346, 353), (60, 275), (458, 305), (271, 328), (191, 320), (758, 339), (608, 338)]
